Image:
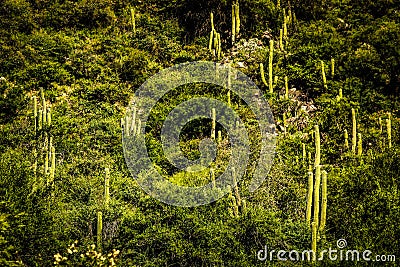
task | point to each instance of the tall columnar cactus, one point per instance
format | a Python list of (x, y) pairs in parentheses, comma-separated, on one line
[(314, 238), (35, 113), (286, 88), (46, 164), (332, 68), (281, 39), (107, 187), (285, 31), (294, 19), (243, 206), (309, 197), (99, 229), (359, 145), (133, 121), (389, 130), (233, 29), (139, 127), (340, 96), (317, 146), (235, 21), (354, 131), (219, 46), (270, 61), (236, 187), (235, 208), (324, 200), (48, 120), (323, 75), (237, 17), (263, 74), (44, 115), (133, 20), (346, 139), (212, 174), (210, 44), (53, 164), (316, 193), (127, 124), (213, 123), (214, 44)]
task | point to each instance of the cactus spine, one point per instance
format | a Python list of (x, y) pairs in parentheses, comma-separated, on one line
[(324, 200), (354, 131), (219, 136), (317, 146), (332, 68), (304, 152), (99, 229), (270, 60), (309, 197), (359, 145), (107, 187)]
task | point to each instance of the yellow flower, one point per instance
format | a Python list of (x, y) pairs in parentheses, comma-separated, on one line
[(69, 251), (115, 252), (58, 257), (93, 246)]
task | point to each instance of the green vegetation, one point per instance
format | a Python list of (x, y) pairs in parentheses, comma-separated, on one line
[(69, 69)]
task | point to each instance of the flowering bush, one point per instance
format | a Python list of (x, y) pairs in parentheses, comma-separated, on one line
[(78, 256)]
